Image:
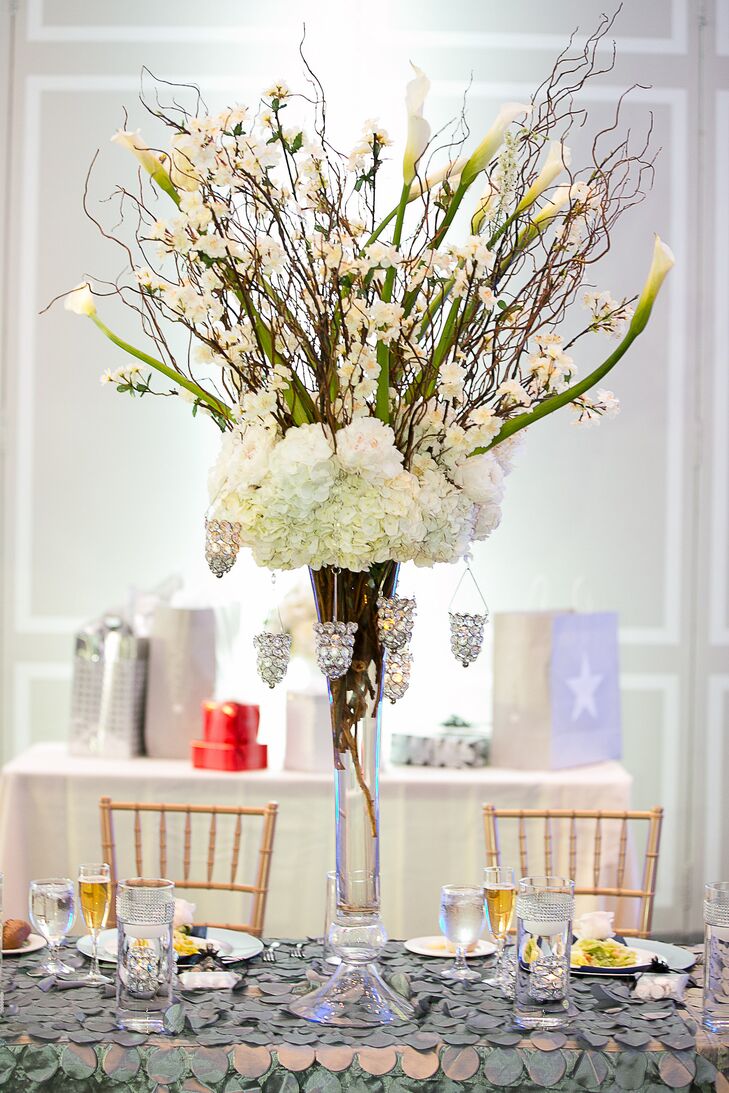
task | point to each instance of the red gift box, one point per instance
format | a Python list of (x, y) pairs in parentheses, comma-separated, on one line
[(230, 723), (213, 756), (230, 730)]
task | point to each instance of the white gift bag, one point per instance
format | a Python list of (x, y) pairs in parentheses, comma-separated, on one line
[(181, 677)]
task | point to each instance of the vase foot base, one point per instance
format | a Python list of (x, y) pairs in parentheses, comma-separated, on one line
[(356, 996)]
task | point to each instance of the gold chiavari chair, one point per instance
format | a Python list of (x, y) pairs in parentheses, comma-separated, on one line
[(569, 821), (258, 890)]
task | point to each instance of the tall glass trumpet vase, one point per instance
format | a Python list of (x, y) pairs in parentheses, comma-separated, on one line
[(356, 994)]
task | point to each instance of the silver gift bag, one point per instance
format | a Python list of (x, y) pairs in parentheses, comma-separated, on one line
[(107, 693), (181, 678)]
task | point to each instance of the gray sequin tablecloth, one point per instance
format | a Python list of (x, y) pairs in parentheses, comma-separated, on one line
[(246, 1040)]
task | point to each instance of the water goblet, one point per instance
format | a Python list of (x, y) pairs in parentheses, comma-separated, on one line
[(499, 888), (461, 921), (51, 908), (94, 888)]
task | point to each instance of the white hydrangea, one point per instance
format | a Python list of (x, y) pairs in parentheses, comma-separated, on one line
[(301, 501), (367, 447), (481, 479)]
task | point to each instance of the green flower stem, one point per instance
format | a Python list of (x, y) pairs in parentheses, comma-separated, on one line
[(163, 180), (382, 405), (160, 366), (381, 227), (556, 402)]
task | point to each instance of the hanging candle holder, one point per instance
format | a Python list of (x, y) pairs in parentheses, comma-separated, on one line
[(397, 674), (222, 543), (334, 642), (273, 649), (334, 647), (272, 656), (467, 628), (395, 620)]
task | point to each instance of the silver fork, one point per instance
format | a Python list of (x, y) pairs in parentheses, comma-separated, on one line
[(269, 953)]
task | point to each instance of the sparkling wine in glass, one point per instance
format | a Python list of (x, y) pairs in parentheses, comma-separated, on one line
[(462, 922), (94, 889), (499, 889), (51, 908)]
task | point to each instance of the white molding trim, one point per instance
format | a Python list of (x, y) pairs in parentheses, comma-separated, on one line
[(25, 674), (716, 755), (39, 31), (721, 30), (28, 622), (718, 585), (668, 686)]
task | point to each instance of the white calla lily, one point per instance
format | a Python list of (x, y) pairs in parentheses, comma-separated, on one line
[(150, 160), (80, 300), (560, 197), (663, 261), (418, 127), (558, 159), (483, 208), (451, 171), (493, 140)]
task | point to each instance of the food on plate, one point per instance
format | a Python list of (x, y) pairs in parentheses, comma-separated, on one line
[(531, 951), (602, 953), (185, 945), (15, 933)]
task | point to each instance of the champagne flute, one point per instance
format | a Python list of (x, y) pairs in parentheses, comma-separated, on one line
[(94, 889), (499, 889), (51, 907), (462, 922)]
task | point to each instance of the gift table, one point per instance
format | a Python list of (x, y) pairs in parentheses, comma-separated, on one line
[(245, 1039), (431, 822)]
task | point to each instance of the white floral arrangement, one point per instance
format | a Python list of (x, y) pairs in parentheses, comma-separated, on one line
[(371, 376)]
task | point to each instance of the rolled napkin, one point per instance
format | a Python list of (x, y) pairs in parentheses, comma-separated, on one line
[(207, 981), (652, 987), (54, 982), (594, 925)]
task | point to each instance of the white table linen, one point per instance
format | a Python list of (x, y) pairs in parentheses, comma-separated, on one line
[(432, 829)]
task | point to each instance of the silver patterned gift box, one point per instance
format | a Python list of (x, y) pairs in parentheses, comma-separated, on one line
[(107, 694), (455, 744)]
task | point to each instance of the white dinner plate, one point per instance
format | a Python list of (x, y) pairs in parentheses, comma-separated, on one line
[(674, 955), (438, 946), (232, 943), (32, 944)]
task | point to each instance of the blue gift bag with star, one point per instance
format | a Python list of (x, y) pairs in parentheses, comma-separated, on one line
[(556, 689)]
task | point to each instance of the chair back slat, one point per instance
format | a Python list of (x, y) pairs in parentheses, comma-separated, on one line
[(573, 845), (211, 845), (187, 851), (138, 843), (610, 855), (622, 852), (257, 888), (236, 849), (523, 848), (597, 851), (163, 843)]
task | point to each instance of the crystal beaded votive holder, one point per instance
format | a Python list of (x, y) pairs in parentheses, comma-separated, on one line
[(716, 956), (145, 911), (545, 907)]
